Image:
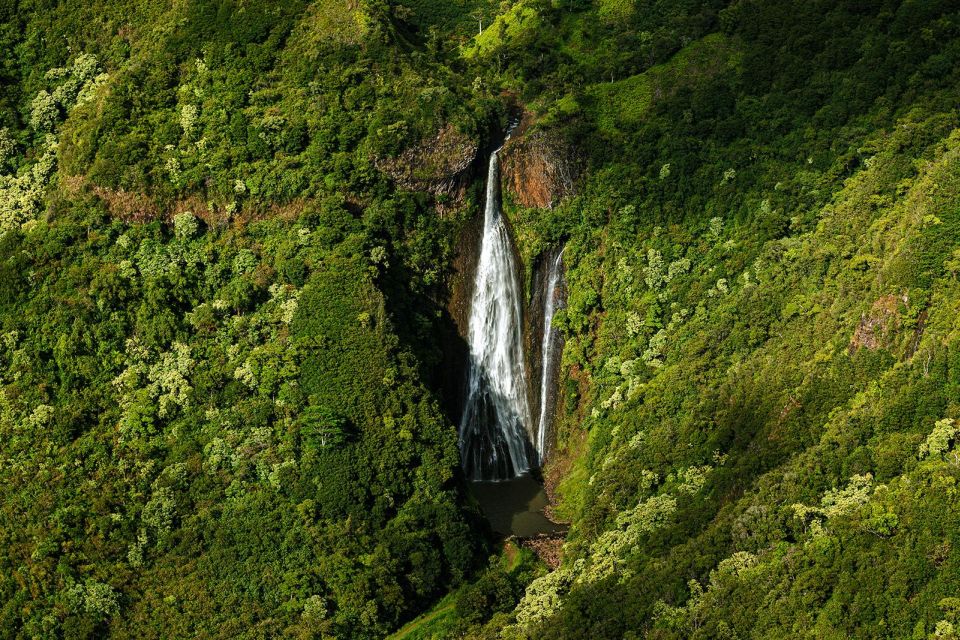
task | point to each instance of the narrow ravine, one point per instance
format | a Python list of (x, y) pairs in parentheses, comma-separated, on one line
[(501, 446)]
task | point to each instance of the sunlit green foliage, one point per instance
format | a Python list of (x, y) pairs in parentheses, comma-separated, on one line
[(210, 424), (761, 293), (220, 407)]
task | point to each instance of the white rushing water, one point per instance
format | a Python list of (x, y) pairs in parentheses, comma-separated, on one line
[(493, 428), (547, 348)]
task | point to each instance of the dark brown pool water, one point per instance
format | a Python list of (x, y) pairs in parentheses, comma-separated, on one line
[(515, 507)]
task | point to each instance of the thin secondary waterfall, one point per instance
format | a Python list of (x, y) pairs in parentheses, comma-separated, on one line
[(493, 428), (547, 354)]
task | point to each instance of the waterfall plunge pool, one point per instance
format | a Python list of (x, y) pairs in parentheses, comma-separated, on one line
[(515, 506)]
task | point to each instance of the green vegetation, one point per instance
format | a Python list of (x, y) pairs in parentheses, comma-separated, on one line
[(760, 329), (211, 425), (221, 405), (493, 593)]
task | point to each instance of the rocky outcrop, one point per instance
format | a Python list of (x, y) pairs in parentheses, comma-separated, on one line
[(880, 327), (439, 165), (538, 168)]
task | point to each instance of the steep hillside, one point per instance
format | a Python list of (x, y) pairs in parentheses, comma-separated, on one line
[(759, 417), (216, 315), (233, 234)]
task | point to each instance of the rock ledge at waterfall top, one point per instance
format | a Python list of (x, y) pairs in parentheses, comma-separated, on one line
[(538, 168)]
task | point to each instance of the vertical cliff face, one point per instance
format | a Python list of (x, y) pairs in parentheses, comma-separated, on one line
[(461, 287), (456, 352), (441, 165), (538, 167)]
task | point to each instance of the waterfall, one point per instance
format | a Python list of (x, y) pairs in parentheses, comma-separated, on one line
[(547, 349), (493, 429)]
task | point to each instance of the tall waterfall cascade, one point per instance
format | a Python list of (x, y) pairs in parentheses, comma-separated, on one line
[(493, 429), (548, 354)]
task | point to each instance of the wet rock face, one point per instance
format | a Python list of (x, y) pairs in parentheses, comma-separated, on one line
[(439, 165), (538, 168)]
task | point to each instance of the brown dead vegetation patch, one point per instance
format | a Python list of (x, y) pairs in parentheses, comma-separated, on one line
[(129, 206), (139, 207), (547, 546)]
